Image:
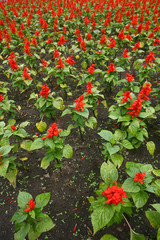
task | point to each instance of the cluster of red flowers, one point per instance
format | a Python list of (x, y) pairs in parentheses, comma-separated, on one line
[(129, 77), (12, 62), (1, 98), (139, 177), (31, 206), (91, 69), (45, 63), (61, 40), (52, 131), (60, 63), (79, 103), (149, 59), (27, 47), (111, 68), (13, 128), (89, 87), (70, 61), (26, 74), (0, 158), (145, 91), (126, 95), (114, 194), (125, 54), (44, 91)]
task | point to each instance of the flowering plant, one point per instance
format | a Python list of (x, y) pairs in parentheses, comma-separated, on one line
[(29, 219)]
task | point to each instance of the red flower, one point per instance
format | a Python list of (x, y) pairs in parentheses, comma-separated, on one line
[(136, 107), (77, 32), (151, 35), (103, 40), (31, 206), (56, 54), (128, 36), (37, 33), (79, 103), (89, 37), (121, 35), (52, 131), (136, 46), (44, 91), (112, 43), (61, 40), (126, 95), (20, 33), (145, 91), (91, 69), (111, 68), (64, 30), (45, 63), (60, 63), (156, 41), (125, 54), (83, 45), (139, 177), (13, 64), (13, 128), (26, 75), (34, 41), (86, 20), (99, 52), (70, 61), (49, 40), (114, 194), (89, 87), (129, 77), (1, 98), (150, 57)]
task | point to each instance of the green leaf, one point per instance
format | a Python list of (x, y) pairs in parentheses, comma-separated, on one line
[(41, 126), (108, 172), (154, 218), (156, 206), (119, 69), (45, 163), (85, 113), (91, 123), (130, 186), (37, 144), (108, 237), (127, 144), (42, 199), (24, 124), (11, 176), (66, 132), (26, 145), (3, 168), (19, 216), (22, 233), (106, 135), (117, 159), (150, 147), (5, 150), (112, 149), (101, 217), (66, 111), (136, 236), (67, 151), (126, 118), (23, 199), (158, 234), (58, 103), (140, 198), (11, 122), (45, 224), (84, 65), (157, 172), (132, 129)]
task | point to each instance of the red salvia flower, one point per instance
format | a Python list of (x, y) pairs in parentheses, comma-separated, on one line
[(89, 87), (26, 75), (70, 61), (135, 107), (34, 41), (20, 33), (136, 46), (121, 35), (52, 131), (128, 36), (150, 57), (89, 37), (145, 91), (44, 91), (126, 95), (112, 43), (114, 194), (49, 40), (13, 64), (125, 54), (91, 69), (45, 63), (103, 40), (79, 103), (1, 98), (83, 45), (60, 63), (61, 40), (31, 206), (156, 41), (37, 33), (13, 128), (139, 177), (56, 54), (129, 77), (111, 68)]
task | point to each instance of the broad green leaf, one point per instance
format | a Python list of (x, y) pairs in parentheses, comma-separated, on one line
[(108, 237), (23, 199), (85, 113), (91, 123), (11, 122), (37, 144), (106, 135), (156, 206), (19, 216), (132, 129), (49, 143), (42, 199), (130, 186), (126, 118), (119, 69), (66, 111), (45, 163), (157, 172), (26, 145), (67, 151), (45, 224), (140, 198), (108, 172), (22, 233), (112, 149), (158, 234), (66, 132), (58, 103), (101, 217), (127, 144), (117, 159), (150, 147), (4, 167), (120, 134), (11, 176), (5, 150), (136, 236), (41, 126), (154, 218), (84, 65)]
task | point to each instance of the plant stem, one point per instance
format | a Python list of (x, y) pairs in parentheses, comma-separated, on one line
[(81, 134)]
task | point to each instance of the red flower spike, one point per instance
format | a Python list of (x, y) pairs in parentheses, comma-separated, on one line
[(126, 95), (89, 87), (31, 206), (13, 128), (111, 68), (79, 103), (44, 91), (52, 131), (91, 69), (139, 177), (114, 194), (129, 77)]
